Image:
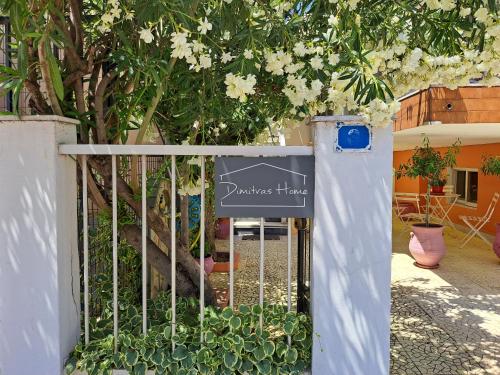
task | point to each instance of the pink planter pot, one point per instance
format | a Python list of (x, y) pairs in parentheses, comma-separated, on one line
[(496, 243), (427, 245), (209, 264), (222, 228)]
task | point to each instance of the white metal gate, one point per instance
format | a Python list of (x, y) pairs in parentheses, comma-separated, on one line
[(83, 151)]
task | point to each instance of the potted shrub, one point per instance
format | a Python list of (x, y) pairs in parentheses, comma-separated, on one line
[(426, 242), (437, 185), (491, 166), (222, 228)]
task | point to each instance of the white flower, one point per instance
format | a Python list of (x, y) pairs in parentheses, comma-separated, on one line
[(464, 12), (333, 20), (181, 48), (222, 125), (205, 61), (205, 26), (196, 124), (448, 5), (333, 59), (248, 54), (130, 15), (146, 35), (276, 62), (300, 49), (482, 15), (317, 63), (432, 4), (226, 35), (238, 87), (226, 57), (198, 46), (107, 18)]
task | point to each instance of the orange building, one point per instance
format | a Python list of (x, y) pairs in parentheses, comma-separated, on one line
[(470, 114)]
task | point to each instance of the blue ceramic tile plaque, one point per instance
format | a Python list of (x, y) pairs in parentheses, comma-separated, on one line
[(353, 137)]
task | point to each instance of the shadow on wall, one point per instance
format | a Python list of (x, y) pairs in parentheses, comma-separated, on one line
[(352, 251), (39, 299)]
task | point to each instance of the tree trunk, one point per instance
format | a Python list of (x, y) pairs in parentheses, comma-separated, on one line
[(189, 266), (159, 260)]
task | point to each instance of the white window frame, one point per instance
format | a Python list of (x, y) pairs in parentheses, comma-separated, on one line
[(465, 202)]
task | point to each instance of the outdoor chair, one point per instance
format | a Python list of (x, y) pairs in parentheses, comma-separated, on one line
[(476, 223), (403, 202)]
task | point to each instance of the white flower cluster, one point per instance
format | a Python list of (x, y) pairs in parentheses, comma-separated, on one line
[(238, 87), (193, 52), (445, 5), (379, 113), (191, 188), (108, 18)]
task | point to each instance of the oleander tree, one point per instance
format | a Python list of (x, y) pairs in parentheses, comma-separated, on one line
[(233, 71)]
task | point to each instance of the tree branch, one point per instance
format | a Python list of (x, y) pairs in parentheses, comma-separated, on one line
[(99, 107)]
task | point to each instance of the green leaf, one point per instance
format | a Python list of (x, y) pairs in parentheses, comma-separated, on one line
[(55, 75), (180, 352), (167, 332), (244, 310), (256, 309), (227, 313), (299, 336), (235, 322), (131, 357), (269, 348), (259, 353), (209, 337), (291, 355), (264, 367), (140, 369), (230, 360), (288, 328)]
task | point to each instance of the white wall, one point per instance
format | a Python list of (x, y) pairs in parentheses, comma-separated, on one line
[(39, 274), (351, 255)]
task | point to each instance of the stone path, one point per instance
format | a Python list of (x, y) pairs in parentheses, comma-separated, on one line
[(443, 322), (446, 321)]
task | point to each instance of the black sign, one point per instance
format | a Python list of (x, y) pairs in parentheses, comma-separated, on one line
[(264, 186)]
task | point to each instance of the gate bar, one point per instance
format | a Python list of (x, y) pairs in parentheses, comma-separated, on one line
[(202, 246), (144, 247), (261, 272), (289, 270), (85, 248), (173, 254), (231, 262), (186, 150), (115, 252)]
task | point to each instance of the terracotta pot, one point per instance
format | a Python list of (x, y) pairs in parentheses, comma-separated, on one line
[(496, 243), (209, 264), (222, 263), (437, 189), (427, 245), (222, 228)]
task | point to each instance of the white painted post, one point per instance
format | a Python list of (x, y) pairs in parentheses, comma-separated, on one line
[(39, 271), (351, 254)]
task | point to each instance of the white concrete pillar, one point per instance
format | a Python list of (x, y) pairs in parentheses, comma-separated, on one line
[(351, 254), (39, 274)]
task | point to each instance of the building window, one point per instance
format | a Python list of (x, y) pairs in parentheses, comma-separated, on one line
[(466, 185)]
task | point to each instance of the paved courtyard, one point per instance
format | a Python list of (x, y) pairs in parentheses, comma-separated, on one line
[(444, 321)]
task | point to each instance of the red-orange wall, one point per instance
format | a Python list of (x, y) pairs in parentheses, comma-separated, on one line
[(469, 157)]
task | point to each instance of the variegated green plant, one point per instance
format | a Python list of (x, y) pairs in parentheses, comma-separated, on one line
[(233, 342)]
